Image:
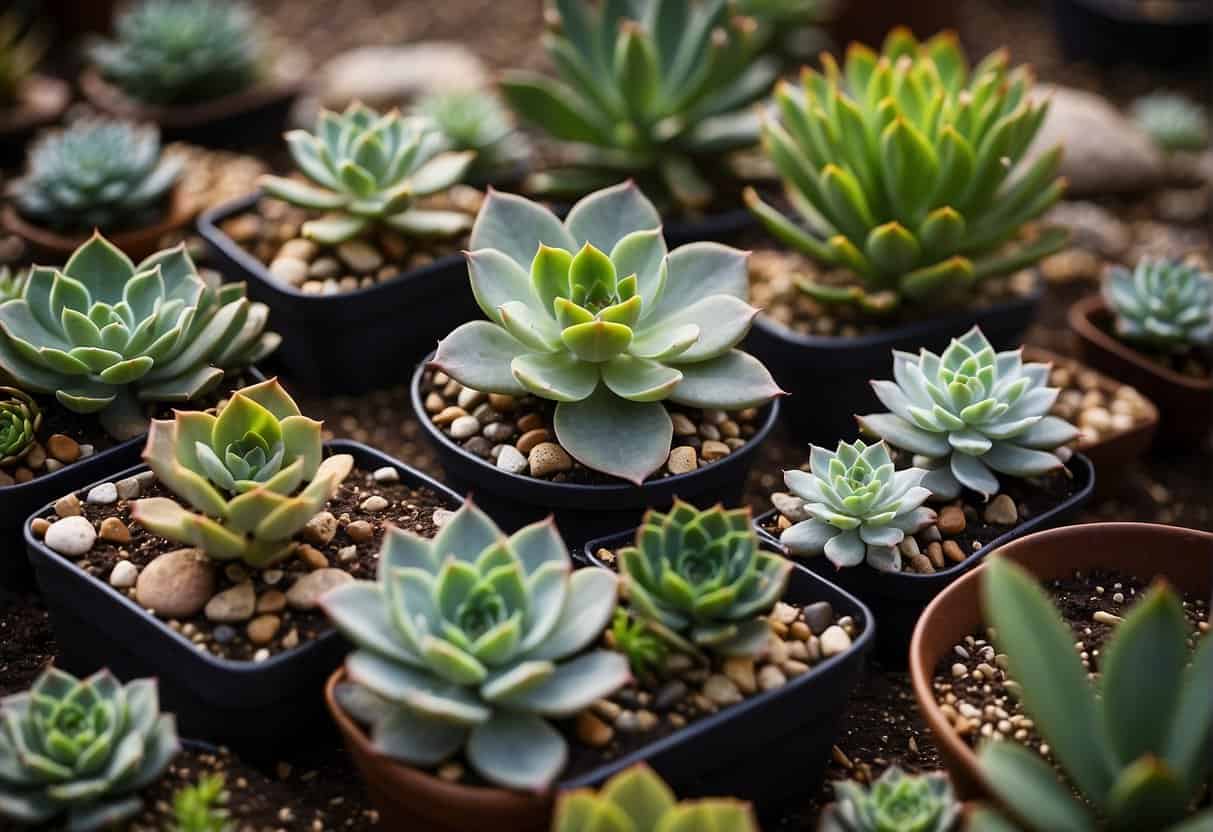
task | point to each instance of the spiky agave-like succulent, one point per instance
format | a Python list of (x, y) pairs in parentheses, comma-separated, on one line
[(860, 506), (638, 800), (180, 52), (896, 802), (254, 472), (1162, 304), (97, 173), (701, 581), (631, 636), (79, 750), (971, 412), (471, 641), (476, 120), (103, 334), (21, 48), (200, 807), (652, 90), (20, 418), (1173, 121), (370, 168), (900, 165), (593, 314)]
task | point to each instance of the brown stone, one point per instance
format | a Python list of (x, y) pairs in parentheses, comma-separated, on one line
[(271, 601), (593, 731), (114, 530), (263, 628), (39, 525), (63, 448), (529, 422), (311, 556), (360, 531), (68, 506), (549, 458), (951, 520), (307, 591), (234, 604), (176, 584), (682, 460), (713, 450), (935, 553), (320, 529), (527, 442), (952, 551)]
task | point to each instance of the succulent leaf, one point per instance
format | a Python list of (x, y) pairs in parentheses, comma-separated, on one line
[(477, 121), (1162, 305), (896, 801)]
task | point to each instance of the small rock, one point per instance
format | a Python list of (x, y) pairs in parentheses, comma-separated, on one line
[(308, 589), (593, 731), (795, 668), (290, 640), (373, 504), (465, 427), (263, 628), (952, 551), (68, 506), (683, 426), (123, 575), (114, 530), (223, 634), (386, 474), (324, 268), (271, 601), (290, 270), (311, 556), (951, 520), (935, 554), (360, 531), (819, 616), (271, 576), (360, 256), (682, 460), (786, 613), (529, 422), (321, 529), (448, 415), (385, 76), (232, 605), (922, 565), (669, 695), (834, 641), (71, 536), (86, 450), (790, 506), (511, 459), (441, 517), (549, 458), (347, 553), (128, 488), (1001, 511), (63, 448), (527, 442), (713, 450), (39, 525), (771, 677), (177, 584), (721, 690), (469, 398), (102, 494), (300, 248), (740, 670)]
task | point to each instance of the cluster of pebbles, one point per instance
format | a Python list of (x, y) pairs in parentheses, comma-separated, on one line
[(47, 457), (1099, 407)]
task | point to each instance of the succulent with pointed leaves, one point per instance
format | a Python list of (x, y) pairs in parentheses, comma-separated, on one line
[(20, 418), (630, 636), (200, 807), (254, 472), (473, 640), (1173, 121), (12, 283), (655, 90), (593, 314), (638, 800), (861, 508), (370, 169), (971, 412), (21, 49), (901, 164), (475, 120), (103, 334), (79, 750), (1162, 305), (896, 802), (1129, 772)]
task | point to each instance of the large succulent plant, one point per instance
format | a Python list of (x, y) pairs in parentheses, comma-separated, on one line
[(78, 750), (1135, 745), (20, 419), (180, 52), (700, 580), (97, 173), (901, 165), (1161, 304), (254, 472), (370, 168), (860, 506), (593, 313), (638, 800), (21, 48), (476, 120), (971, 412), (1173, 121), (650, 89), (103, 334), (896, 802), (470, 640)]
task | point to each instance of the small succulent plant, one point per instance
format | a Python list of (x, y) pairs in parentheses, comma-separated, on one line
[(103, 334), (369, 168), (21, 49), (20, 419), (859, 506), (896, 802), (472, 640), (12, 283), (901, 165), (654, 90), (971, 412), (1135, 744), (593, 314), (200, 807), (254, 472), (1173, 121), (701, 582), (79, 750), (97, 173), (638, 800), (1162, 305), (179, 52), (631, 636), (475, 120)]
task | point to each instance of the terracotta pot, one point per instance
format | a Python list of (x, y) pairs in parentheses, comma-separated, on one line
[(1183, 556), (40, 103), (1185, 404), (1115, 454), (408, 798)]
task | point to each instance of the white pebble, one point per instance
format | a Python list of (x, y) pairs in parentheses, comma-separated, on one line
[(386, 474), (71, 536), (123, 575), (465, 427), (374, 503), (442, 516), (128, 488), (87, 451), (103, 494), (511, 459)]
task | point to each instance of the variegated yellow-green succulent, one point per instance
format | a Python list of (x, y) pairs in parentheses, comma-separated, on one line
[(20, 418), (904, 167), (103, 334), (254, 472)]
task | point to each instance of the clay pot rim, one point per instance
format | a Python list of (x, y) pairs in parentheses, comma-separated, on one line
[(1080, 317), (27, 114)]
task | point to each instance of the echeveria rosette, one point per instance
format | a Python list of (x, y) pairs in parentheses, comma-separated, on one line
[(896, 802), (1161, 304), (476, 120), (472, 641), (77, 751), (971, 412), (861, 508), (254, 472), (1173, 121), (370, 169), (103, 334), (700, 580), (594, 314), (20, 418)]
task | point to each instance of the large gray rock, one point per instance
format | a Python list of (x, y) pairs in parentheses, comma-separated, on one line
[(383, 76)]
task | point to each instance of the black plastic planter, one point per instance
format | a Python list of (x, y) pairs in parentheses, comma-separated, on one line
[(1175, 35), (257, 707), (584, 511), (720, 228), (771, 747), (353, 341), (898, 598), (828, 377)]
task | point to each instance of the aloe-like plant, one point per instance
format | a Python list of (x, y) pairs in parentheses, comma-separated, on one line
[(656, 89), (20, 418), (370, 169), (1161, 304), (971, 412), (594, 314), (22, 47), (896, 802), (861, 508), (472, 641), (905, 169), (475, 120), (1134, 744), (254, 472), (199, 807), (638, 800), (1173, 121), (77, 751), (103, 334)]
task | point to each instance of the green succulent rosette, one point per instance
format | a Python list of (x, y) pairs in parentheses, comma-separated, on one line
[(1173, 121), (896, 802), (1161, 304), (20, 418), (475, 120)]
